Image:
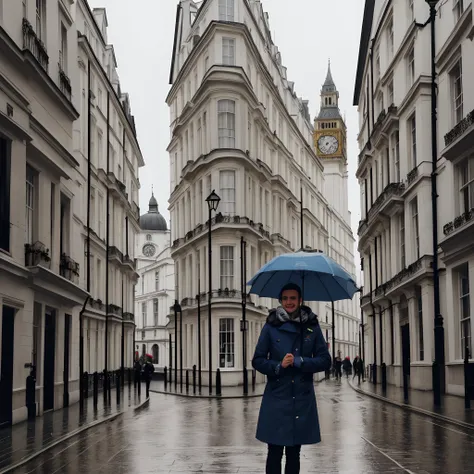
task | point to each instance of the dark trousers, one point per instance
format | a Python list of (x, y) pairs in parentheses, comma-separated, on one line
[(147, 381), (275, 455)]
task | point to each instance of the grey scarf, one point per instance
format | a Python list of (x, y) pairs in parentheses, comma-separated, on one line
[(299, 316)]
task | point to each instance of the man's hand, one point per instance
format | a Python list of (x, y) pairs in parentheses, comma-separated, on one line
[(288, 360)]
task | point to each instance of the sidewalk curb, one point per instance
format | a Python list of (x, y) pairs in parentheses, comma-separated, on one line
[(139, 407), (411, 408), (70, 435), (217, 397)]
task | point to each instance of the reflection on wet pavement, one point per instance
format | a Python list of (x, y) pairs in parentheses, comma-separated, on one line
[(175, 434)]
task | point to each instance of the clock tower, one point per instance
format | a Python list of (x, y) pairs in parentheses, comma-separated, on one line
[(330, 144)]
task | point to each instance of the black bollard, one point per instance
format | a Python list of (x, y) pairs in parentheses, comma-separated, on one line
[(166, 377), (218, 383), (194, 379), (30, 393), (109, 386), (254, 377), (246, 382), (118, 386), (95, 388), (384, 377), (104, 385), (85, 384), (187, 381)]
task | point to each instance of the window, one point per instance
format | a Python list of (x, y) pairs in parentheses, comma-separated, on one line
[(143, 315), (465, 309), (228, 51), (25, 9), (416, 229), (100, 215), (155, 312), (65, 223), (402, 241), (458, 9), (143, 347), (155, 352), (412, 134), (467, 184), (227, 192), (396, 154), (421, 344), (390, 38), (204, 132), (199, 138), (226, 123), (31, 177), (63, 50), (377, 64), (143, 283), (40, 19), (226, 343), (226, 10), (411, 66), (391, 99), (456, 87), (157, 280), (227, 268), (148, 237), (36, 334)]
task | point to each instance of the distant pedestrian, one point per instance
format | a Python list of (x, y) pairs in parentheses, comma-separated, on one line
[(148, 369), (358, 366), (338, 366), (137, 367), (290, 349), (347, 366)]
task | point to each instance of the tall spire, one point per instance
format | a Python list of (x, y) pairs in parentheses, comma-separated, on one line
[(329, 85)]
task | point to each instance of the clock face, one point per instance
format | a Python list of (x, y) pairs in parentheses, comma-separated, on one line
[(328, 144), (149, 250)]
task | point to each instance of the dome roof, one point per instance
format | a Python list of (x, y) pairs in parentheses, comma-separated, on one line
[(153, 220)]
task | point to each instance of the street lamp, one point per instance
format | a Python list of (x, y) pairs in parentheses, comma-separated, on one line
[(438, 364), (212, 202)]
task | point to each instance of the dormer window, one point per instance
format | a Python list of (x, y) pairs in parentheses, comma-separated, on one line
[(148, 237)]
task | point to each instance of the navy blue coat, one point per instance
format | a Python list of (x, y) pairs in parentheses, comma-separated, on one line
[(288, 414)]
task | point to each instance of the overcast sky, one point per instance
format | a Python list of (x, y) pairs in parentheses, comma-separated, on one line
[(307, 33)]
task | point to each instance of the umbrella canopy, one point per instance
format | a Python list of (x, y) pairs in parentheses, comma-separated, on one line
[(319, 277)]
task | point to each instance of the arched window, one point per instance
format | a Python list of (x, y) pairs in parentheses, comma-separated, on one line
[(330, 101), (155, 351), (148, 236), (326, 101), (143, 349)]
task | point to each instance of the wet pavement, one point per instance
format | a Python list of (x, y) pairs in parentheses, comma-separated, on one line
[(451, 406), (186, 435), (21, 440)]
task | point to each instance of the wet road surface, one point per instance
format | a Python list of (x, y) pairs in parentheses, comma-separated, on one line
[(175, 434)]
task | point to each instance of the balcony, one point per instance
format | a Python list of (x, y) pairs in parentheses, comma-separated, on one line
[(118, 187), (131, 263), (221, 219), (96, 304), (115, 254), (460, 138), (69, 269), (37, 255), (136, 211), (32, 43), (129, 317), (412, 175), (459, 222), (405, 276), (216, 295), (391, 196), (64, 83), (115, 310)]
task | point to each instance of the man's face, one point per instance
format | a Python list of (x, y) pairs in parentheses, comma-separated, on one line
[(290, 301)]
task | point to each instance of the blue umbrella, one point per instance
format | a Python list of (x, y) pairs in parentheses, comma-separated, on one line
[(319, 277)]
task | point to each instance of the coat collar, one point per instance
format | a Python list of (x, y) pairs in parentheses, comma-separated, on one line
[(290, 326)]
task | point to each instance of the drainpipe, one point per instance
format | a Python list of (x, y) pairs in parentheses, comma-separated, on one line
[(107, 243), (374, 376)]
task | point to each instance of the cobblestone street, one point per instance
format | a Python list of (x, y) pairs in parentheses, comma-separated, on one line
[(177, 434)]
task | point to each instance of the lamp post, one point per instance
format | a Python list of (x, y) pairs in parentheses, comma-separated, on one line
[(212, 202), (175, 310)]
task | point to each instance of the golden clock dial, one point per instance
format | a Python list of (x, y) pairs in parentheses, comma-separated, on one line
[(328, 144)]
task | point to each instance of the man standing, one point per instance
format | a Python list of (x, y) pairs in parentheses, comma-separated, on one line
[(290, 349), (358, 366)]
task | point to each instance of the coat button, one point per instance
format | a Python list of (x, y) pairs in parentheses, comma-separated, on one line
[(297, 417), (296, 350), (292, 381)]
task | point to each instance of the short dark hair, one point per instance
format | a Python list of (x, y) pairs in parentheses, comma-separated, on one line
[(290, 286)]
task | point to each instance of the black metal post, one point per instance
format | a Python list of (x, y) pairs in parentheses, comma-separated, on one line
[(209, 320), (170, 349), (374, 367), (180, 348), (199, 334), (194, 379), (122, 345), (467, 391), (175, 309), (438, 365), (187, 381), (243, 271), (333, 334), (218, 382), (382, 364)]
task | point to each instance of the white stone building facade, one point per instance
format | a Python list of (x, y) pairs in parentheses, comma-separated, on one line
[(393, 93), (154, 293), (43, 182), (238, 127)]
